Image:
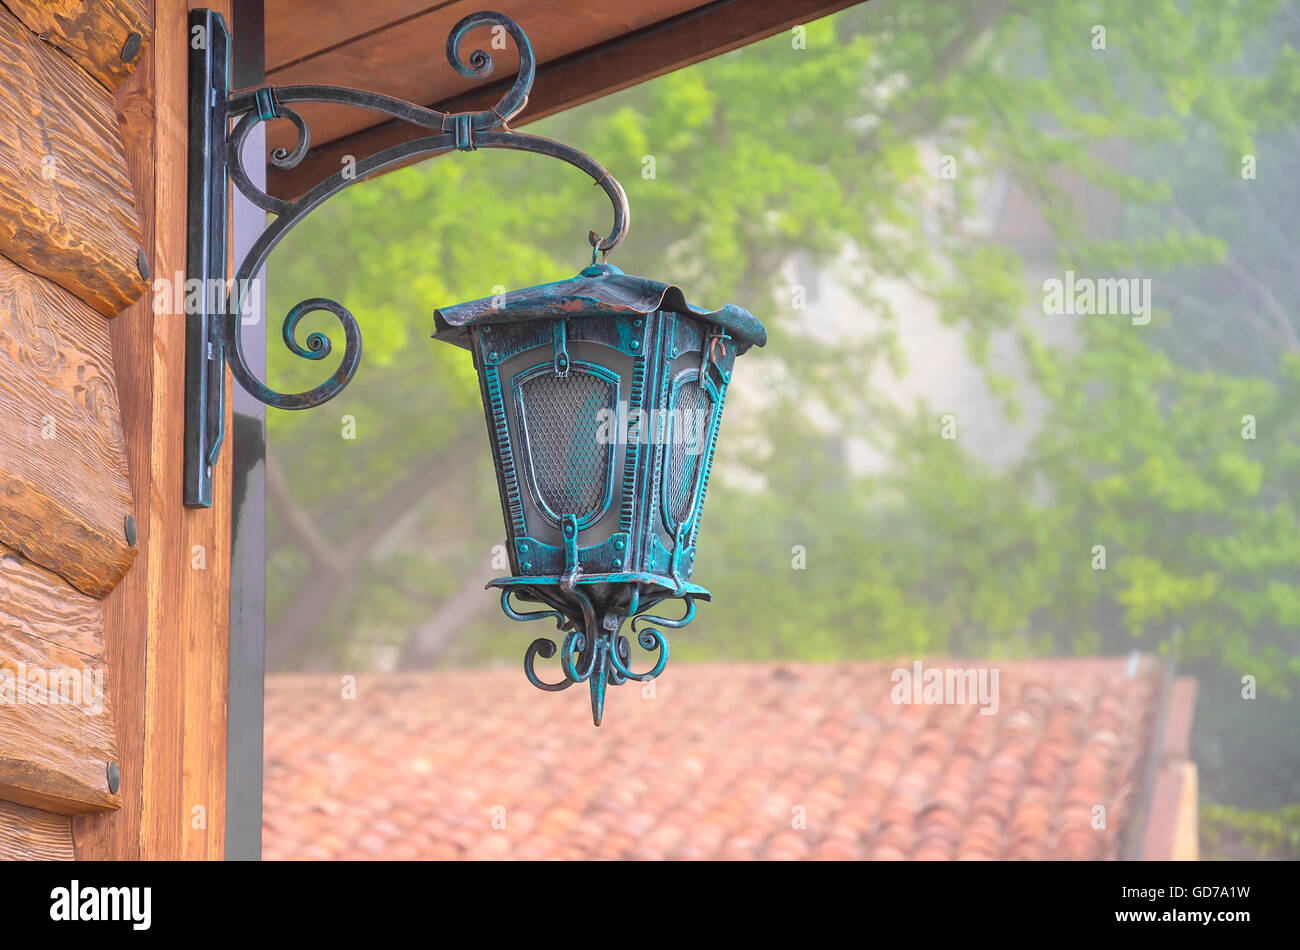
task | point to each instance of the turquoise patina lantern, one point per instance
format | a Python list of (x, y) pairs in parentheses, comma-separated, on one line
[(603, 395)]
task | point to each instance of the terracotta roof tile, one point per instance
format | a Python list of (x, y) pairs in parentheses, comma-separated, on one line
[(773, 761)]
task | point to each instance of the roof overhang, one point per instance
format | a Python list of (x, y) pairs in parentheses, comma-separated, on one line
[(395, 47)]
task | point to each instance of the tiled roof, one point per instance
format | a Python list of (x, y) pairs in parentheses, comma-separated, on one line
[(722, 761)]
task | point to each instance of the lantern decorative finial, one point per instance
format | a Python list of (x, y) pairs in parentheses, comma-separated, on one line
[(601, 659)]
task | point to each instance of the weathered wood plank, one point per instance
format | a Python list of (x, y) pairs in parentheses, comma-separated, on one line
[(38, 603), (167, 623), (56, 726), (29, 834), (93, 33), (64, 493), (119, 835), (66, 205)]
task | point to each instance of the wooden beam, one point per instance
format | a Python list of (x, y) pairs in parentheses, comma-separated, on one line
[(38, 603), (29, 834), (589, 74), (66, 209), (96, 34), (57, 738), (64, 493), (57, 749)]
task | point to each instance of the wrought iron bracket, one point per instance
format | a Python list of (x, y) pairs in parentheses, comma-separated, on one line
[(216, 160)]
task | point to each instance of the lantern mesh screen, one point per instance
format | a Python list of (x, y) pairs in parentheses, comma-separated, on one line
[(689, 425), (570, 464)]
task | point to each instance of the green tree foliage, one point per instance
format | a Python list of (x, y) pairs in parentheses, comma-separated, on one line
[(1233, 834), (1128, 124)]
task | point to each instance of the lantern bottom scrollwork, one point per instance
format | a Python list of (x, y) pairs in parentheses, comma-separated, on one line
[(594, 649)]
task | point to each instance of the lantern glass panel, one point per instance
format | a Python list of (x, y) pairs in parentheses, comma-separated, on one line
[(569, 466), (690, 415)]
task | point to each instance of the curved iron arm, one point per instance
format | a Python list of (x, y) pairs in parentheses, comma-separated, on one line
[(318, 346), (218, 339), (461, 131)]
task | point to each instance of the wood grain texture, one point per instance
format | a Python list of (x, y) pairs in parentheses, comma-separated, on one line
[(167, 624), (28, 834), (579, 58), (56, 725), (64, 490), (93, 33), (38, 603), (66, 205)]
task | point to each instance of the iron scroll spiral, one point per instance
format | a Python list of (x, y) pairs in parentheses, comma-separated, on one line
[(581, 655), (480, 64), (461, 131)]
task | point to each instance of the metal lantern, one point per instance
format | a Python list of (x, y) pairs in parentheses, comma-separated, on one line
[(603, 393), (603, 396)]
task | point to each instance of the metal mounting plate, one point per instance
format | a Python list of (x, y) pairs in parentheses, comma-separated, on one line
[(206, 250)]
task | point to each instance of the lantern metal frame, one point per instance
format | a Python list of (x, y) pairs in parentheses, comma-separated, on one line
[(216, 159), (607, 529)]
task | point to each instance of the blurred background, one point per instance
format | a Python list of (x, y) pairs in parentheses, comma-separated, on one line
[(925, 460)]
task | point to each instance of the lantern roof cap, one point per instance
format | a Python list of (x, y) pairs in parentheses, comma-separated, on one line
[(599, 290)]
